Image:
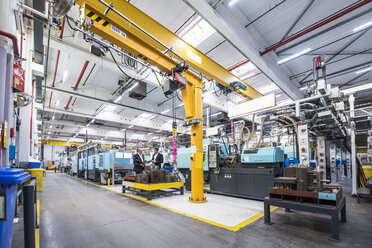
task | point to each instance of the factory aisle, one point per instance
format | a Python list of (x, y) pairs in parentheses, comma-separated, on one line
[(76, 214)]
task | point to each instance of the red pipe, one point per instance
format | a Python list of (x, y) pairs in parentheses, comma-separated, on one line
[(313, 27), (81, 74), (68, 103), (50, 98), (56, 67), (14, 40), (63, 115), (32, 108), (62, 28), (238, 65)]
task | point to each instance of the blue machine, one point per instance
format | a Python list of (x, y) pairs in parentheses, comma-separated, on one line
[(183, 155), (290, 161), (263, 155), (290, 151)]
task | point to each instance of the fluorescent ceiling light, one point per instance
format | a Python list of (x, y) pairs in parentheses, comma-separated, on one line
[(180, 105), (232, 2), (64, 76), (241, 70), (152, 117), (364, 70), (158, 131), (144, 115), (130, 126), (88, 124), (123, 129), (268, 88), (117, 99), (278, 95), (196, 31), (53, 117), (50, 126), (366, 25), (110, 107), (57, 104), (294, 56), (93, 120), (165, 111), (149, 133), (216, 114)]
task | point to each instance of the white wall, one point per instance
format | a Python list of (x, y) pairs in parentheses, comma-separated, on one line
[(51, 152)]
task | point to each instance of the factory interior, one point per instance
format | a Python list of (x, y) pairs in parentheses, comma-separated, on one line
[(185, 123)]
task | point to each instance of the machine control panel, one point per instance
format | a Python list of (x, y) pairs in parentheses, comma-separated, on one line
[(213, 156), (321, 146), (304, 144)]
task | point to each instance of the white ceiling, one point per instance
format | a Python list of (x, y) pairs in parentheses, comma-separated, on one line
[(103, 80)]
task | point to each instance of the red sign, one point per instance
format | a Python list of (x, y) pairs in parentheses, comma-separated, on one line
[(18, 78)]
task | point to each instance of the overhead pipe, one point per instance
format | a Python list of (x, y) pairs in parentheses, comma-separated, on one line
[(56, 68), (62, 28), (68, 103), (316, 26), (14, 40), (50, 98), (81, 74)]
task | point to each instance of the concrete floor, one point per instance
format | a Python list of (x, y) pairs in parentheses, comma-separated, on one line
[(76, 214)]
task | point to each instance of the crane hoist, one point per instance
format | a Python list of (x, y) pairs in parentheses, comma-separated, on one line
[(125, 26)]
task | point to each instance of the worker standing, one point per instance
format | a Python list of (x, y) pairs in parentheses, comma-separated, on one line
[(139, 161), (157, 158)]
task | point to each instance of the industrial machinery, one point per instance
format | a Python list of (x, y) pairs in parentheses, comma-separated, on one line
[(248, 174)]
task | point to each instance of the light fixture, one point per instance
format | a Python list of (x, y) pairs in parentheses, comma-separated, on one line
[(144, 115), (117, 99), (149, 133), (364, 70), (93, 120), (110, 107), (64, 76), (294, 56), (180, 105), (123, 129), (158, 131), (130, 126), (53, 117), (366, 25), (88, 124), (165, 111), (152, 117), (232, 2), (268, 88), (50, 126), (216, 113), (57, 103)]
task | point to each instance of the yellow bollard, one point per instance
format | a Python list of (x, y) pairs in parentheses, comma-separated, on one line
[(108, 179)]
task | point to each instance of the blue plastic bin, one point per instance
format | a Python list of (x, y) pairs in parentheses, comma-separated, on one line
[(9, 178), (34, 165)]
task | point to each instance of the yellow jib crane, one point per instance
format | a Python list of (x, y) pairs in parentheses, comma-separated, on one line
[(122, 24)]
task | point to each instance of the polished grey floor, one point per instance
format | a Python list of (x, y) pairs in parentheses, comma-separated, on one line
[(76, 214)]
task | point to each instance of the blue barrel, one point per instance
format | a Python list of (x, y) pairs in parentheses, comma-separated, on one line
[(34, 165), (9, 178)]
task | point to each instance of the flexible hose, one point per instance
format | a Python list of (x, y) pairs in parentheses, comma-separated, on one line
[(295, 126), (261, 134)]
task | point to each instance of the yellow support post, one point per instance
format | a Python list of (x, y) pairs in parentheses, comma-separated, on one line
[(192, 97), (108, 179)]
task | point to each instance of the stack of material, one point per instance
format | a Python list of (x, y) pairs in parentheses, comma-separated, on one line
[(142, 178)]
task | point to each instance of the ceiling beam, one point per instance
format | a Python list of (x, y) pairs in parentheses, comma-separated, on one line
[(247, 41)]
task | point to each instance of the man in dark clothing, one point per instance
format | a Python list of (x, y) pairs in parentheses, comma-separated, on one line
[(157, 158), (139, 161)]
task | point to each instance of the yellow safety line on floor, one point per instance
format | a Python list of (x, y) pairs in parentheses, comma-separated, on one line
[(234, 228), (37, 233)]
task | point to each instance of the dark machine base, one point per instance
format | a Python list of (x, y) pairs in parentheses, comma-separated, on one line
[(312, 208), (253, 183)]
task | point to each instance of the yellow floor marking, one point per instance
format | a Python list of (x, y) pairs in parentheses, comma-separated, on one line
[(37, 232), (234, 228)]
